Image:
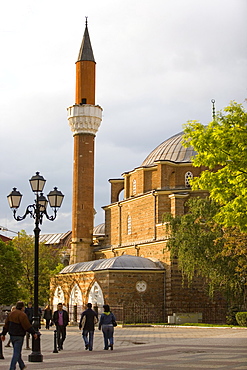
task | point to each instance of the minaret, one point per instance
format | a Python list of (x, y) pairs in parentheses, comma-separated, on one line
[(84, 119)]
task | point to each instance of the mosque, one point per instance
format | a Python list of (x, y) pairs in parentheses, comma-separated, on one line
[(125, 261)]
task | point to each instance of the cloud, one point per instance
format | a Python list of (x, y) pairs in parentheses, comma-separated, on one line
[(159, 64)]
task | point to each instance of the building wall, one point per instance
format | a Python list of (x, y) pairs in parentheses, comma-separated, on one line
[(134, 226)]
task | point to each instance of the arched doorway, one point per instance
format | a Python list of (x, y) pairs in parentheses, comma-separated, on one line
[(96, 297), (57, 298), (75, 304)]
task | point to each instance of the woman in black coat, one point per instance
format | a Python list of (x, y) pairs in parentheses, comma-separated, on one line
[(47, 316)]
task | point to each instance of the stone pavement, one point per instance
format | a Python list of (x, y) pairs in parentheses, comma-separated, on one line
[(170, 348)]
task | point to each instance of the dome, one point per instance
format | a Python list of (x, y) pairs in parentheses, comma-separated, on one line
[(170, 150), (99, 230), (124, 262)]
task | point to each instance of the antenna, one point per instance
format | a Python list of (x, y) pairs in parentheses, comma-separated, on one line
[(213, 102)]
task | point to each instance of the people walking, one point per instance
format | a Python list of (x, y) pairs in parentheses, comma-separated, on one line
[(47, 316), (87, 322), (9, 341), (61, 320), (16, 324), (107, 323), (29, 312)]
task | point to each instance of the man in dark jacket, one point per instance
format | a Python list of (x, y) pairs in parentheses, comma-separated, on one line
[(87, 322), (29, 312), (17, 324), (61, 320)]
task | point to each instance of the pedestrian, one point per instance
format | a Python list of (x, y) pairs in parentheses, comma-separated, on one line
[(107, 323), (61, 320), (8, 344), (87, 322), (40, 316), (47, 316), (29, 312), (16, 324)]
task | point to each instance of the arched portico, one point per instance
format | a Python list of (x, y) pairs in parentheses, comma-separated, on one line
[(96, 296), (75, 304), (57, 298)]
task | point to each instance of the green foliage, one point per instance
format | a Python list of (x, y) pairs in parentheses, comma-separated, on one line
[(49, 264), (202, 249), (10, 273), (222, 147), (241, 318), (231, 315)]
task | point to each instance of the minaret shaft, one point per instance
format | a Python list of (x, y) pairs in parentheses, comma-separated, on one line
[(85, 82), (83, 191)]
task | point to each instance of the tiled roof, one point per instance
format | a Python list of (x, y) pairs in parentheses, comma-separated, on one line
[(124, 262)]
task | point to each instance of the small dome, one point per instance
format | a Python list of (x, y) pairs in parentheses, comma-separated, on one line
[(99, 230), (170, 150), (124, 262)]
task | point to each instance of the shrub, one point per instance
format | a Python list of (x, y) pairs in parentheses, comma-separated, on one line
[(241, 318), (231, 315)]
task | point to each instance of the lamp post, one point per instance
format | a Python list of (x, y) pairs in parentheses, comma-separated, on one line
[(36, 211)]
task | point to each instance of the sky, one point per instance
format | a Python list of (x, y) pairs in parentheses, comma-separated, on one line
[(159, 64)]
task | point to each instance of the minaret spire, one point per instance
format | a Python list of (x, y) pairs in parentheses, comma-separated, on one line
[(84, 119), (86, 51)]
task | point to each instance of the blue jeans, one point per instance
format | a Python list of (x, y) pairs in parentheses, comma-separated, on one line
[(17, 343), (108, 335), (89, 342)]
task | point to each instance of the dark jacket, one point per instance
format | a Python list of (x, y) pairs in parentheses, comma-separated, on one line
[(65, 318), (47, 314), (91, 319), (29, 313), (106, 318), (17, 324)]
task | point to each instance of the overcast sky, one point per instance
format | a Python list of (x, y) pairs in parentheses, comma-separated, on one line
[(159, 64)]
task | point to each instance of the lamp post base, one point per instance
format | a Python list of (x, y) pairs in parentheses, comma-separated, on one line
[(35, 357)]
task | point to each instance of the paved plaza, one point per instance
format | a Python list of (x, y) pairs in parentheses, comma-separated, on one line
[(144, 348)]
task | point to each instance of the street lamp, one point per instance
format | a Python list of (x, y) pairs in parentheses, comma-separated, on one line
[(36, 211), (8, 230)]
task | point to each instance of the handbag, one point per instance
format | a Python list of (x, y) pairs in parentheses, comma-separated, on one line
[(114, 323)]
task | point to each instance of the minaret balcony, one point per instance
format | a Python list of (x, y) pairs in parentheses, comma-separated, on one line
[(84, 119)]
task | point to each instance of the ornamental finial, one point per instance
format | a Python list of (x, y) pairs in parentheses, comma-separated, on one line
[(213, 102), (86, 21)]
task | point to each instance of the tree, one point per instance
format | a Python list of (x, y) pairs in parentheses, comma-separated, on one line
[(222, 147), (204, 248), (49, 264), (10, 273)]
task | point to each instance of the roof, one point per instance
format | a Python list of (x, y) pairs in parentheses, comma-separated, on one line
[(124, 262), (170, 150), (86, 51), (4, 238), (52, 238)]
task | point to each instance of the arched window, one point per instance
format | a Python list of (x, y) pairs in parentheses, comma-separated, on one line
[(134, 187), (129, 225), (188, 177)]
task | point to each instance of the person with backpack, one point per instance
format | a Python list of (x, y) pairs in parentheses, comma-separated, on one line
[(107, 323)]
